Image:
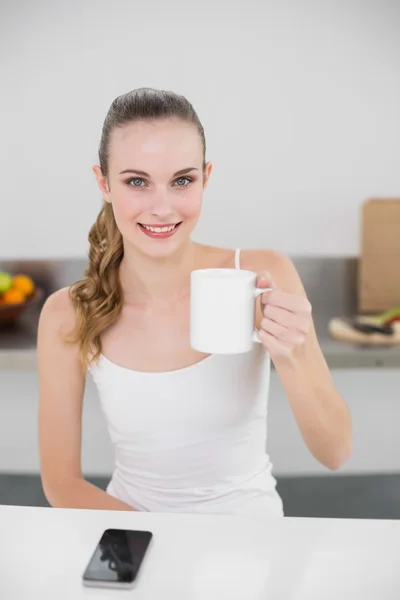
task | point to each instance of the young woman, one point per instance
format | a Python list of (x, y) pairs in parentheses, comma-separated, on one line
[(188, 429)]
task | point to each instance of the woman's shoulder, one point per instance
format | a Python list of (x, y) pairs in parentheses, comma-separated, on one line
[(59, 310), (279, 266), (253, 259)]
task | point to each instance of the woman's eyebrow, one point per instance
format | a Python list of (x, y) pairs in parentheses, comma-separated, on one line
[(137, 171)]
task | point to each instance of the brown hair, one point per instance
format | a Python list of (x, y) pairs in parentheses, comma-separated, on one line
[(98, 297)]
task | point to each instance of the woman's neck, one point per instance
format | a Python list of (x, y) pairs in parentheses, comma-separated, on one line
[(153, 281)]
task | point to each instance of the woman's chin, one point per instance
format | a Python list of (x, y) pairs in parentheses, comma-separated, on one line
[(157, 247)]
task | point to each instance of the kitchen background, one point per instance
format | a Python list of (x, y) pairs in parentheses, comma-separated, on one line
[(299, 102)]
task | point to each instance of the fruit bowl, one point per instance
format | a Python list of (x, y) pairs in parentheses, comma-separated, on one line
[(11, 312), (17, 293)]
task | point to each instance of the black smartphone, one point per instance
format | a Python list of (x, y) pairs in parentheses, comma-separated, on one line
[(117, 558)]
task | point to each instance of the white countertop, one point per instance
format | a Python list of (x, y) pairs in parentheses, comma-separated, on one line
[(43, 552)]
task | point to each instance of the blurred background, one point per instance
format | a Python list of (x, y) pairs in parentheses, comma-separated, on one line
[(299, 102)]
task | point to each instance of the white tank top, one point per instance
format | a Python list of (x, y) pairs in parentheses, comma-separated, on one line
[(193, 439)]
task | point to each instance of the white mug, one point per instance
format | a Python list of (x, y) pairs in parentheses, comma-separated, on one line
[(222, 310)]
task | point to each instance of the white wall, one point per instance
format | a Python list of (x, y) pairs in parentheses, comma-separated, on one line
[(299, 101)]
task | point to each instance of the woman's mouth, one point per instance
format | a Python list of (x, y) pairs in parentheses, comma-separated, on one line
[(159, 231)]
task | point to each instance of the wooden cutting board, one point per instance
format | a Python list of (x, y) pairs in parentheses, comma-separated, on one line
[(341, 329), (379, 265)]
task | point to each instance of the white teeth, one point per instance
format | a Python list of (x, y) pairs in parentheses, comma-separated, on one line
[(159, 229)]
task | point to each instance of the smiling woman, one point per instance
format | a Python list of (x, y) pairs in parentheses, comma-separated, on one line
[(159, 230), (189, 429)]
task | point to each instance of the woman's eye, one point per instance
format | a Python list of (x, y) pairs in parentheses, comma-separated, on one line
[(189, 180), (135, 179)]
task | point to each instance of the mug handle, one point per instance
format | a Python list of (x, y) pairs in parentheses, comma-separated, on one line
[(257, 292)]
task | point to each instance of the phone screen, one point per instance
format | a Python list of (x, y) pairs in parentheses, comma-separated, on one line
[(118, 556)]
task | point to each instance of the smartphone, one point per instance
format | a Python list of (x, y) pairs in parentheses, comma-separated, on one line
[(117, 558)]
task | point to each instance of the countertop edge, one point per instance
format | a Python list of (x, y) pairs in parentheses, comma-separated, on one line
[(353, 358)]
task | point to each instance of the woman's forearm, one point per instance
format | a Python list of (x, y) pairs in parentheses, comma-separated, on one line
[(323, 418), (78, 493)]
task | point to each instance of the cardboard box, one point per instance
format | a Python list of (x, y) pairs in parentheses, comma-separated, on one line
[(379, 267)]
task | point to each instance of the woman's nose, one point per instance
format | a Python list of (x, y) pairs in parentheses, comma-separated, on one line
[(162, 206)]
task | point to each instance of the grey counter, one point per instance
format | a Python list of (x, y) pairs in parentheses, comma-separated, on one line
[(330, 284), (18, 350)]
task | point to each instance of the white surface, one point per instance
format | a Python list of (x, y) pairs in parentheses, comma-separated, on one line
[(372, 396), (43, 553), (299, 101)]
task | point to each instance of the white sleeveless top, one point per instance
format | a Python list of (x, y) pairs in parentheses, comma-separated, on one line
[(193, 439)]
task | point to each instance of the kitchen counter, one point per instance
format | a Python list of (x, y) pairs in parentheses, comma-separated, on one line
[(330, 284), (18, 348), (197, 557)]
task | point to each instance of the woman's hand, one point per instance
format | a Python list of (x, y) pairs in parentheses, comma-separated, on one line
[(286, 318), (288, 333)]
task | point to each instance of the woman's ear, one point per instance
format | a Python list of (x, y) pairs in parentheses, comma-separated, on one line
[(207, 173), (101, 182)]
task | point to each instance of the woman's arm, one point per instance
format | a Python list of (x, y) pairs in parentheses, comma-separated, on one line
[(61, 391), (320, 412), (78, 493)]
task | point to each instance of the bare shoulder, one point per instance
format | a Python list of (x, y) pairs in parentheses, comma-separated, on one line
[(57, 356), (58, 312), (280, 267)]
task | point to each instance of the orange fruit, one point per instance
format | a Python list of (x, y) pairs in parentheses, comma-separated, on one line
[(24, 284), (13, 296)]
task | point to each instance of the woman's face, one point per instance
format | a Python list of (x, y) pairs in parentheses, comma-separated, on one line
[(162, 196)]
